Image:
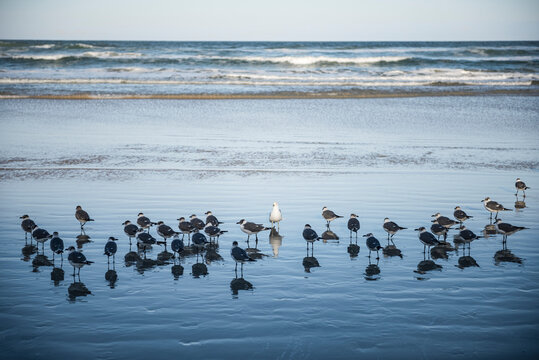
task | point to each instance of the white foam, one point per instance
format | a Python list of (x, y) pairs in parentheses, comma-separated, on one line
[(87, 46), (311, 60), (44, 46)]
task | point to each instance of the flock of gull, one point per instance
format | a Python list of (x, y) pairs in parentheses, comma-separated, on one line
[(203, 236)]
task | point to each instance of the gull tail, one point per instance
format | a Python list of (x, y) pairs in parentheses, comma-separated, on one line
[(338, 216), (88, 262), (267, 228), (402, 228), (505, 209)]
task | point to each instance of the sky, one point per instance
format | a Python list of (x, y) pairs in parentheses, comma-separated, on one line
[(276, 20)]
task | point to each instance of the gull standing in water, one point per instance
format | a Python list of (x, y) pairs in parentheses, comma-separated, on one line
[(444, 220), (186, 227), (27, 225), (466, 236), (310, 235), (197, 223), (391, 228), (77, 259), (353, 224), (165, 232), (82, 216), (211, 219), (520, 185), (111, 248), (373, 244), (213, 231), (240, 256), (41, 235), (57, 245), (144, 240), (251, 228), (460, 215), (275, 216), (144, 222), (439, 230), (177, 245), (507, 229), (493, 207), (130, 229), (329, 215), (426, 238)]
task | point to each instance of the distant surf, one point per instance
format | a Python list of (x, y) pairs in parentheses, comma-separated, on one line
[(97, 69)]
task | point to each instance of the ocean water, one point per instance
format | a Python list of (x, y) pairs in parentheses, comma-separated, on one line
[(403, 158), (329, 69)]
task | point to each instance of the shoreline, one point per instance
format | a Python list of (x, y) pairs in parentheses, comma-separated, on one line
[(276, 95)]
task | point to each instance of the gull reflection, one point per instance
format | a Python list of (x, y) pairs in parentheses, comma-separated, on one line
[(77, 289), (82, 240), (353, 248), (111, 275), (519, 204), (466, 260), (176, 269), (40, 260), (372, 271), (211, 254), (426, 265), (275, 240), (27, 251), (329, 235), (57, 275)]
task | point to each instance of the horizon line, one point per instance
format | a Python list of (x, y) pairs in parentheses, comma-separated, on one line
[(291, 41)]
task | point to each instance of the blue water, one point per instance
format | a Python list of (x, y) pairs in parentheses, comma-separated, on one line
[(403, 158), (157, 68)]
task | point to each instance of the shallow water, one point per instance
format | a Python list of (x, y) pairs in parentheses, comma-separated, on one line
[(333, 311)]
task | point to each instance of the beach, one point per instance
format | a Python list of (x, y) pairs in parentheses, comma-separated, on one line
[(402, 158)]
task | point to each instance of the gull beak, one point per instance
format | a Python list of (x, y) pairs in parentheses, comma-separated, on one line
[(433, 220), (416, 229), (433, 215), (365, 235), (238, 222)]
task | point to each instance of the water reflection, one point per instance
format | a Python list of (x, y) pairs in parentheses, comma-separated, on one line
[(353, 247), (77, 289), (27, 252), (212, 253), (40, 260), (310, 262), (426, 265), (111, 275), (239, 283), (82, 239), (372, 271), (392, 250), (57, 275), (505, 255), (489, 230), (329, 235), (199, 269), (519, 204), (466, 260), (176, 269), (275, 240)]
